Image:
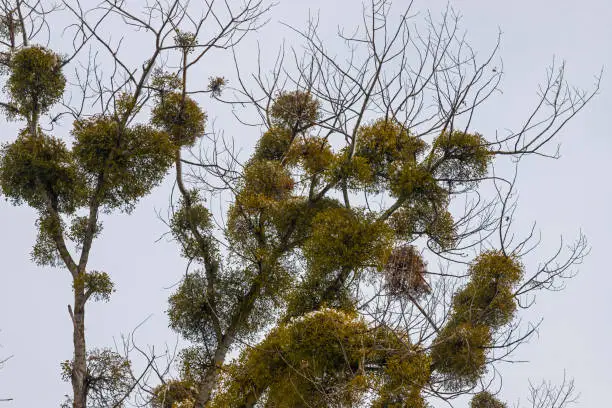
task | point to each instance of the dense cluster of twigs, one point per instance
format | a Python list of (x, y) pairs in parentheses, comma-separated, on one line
[(405, 273)]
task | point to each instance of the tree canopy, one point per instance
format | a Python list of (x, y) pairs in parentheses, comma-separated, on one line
[(358, 260)]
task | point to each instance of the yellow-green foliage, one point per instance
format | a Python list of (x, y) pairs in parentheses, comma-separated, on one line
[(325, 358), (189, 312), (98, 285), (109, 378), (44, 252), (486, 400), (295, 215), (286, 222), (265, 183), (131, 160), (265, 187), (346, 238), (187, 219), (164, 82), (386, 159), (314, 154), (35, 168), (356, 172), (461, 156), (387, 146), (185, 40), (175, 394), (415, 182), (507, 270), (295, 110), (459, 353), (193, 361), (273, 144), (319, 288), (425, 217), (400, 400), (341, 243), (36, 81), (10, 27), (181, 117), (78, 228), (488, 298), (405, 374), (243, 228), (216, 85), (276, 281), (483, 305)]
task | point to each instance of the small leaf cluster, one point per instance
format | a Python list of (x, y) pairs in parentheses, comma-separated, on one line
[(295, 110), (185, 40), (180, 117), (10, 27), (190, 312), (265, 189), (273, 144), (387, 148), (98, 285), (109, 377), (44, 252), (175, 394), (488, 298), (40, 170), (216, 85), (131, 160), (485, 399), (425, 217), (191, 224), (320, 289), (459, 354), (341, 242), (164, 82), (36, 81), (485, 304), (193, 362), (405, 374), (295, 215), (347, 238), (313, 154), (79, 227), (265, 182), (197, 312), (461, 157)]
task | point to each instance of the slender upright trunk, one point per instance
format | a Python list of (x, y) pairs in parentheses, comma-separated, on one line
[(210, 378), (79, 368)]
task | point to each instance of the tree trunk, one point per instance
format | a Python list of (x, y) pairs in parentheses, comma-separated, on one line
[(79, 367), (211, 376)]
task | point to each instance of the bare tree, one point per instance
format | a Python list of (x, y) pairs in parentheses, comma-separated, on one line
[(547, 395)]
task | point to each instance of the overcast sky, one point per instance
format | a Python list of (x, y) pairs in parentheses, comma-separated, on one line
[(563, 196)]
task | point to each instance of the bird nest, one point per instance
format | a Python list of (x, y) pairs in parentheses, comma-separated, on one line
[(405, 273)]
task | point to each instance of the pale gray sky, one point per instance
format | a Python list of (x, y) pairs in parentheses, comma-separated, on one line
[(563, 196)]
